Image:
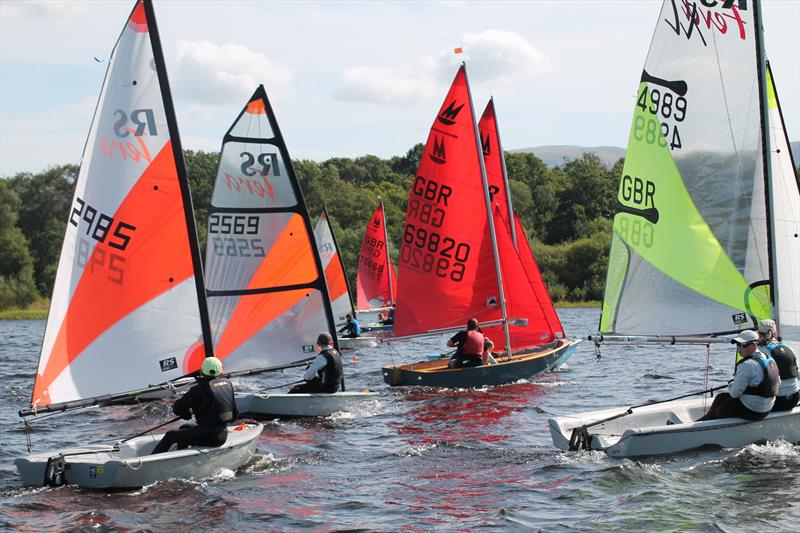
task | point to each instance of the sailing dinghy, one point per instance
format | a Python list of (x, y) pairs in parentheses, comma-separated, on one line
[(456, 262), (128, 306), (267, 293), (376, 281), (706, 230), (338, 286)]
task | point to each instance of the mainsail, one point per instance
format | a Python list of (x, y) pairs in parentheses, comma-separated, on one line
[(785, 221), (690, 249), (335, 276), (447, 260), (267, 295), (376, 282), (128, 301)]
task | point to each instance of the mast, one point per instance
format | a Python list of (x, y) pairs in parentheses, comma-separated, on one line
[(490, 219), (505, 175), (766, 160), (388, 258), (183, 180), (341, 260)]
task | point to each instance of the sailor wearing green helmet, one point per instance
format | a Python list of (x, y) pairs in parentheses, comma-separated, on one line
[(212, 403)]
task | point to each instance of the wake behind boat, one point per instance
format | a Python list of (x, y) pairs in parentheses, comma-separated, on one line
[(706, 232)]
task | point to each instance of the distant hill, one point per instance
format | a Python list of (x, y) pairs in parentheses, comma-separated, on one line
[(558, 154)]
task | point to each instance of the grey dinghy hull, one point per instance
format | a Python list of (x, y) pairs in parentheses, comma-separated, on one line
[(297, 405), (668, 428), (130, 466), (351, 343), (523, 365)]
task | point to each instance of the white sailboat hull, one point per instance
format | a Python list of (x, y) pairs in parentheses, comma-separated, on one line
[(291, 405), (351, 343), (130, 465), (669, 428)]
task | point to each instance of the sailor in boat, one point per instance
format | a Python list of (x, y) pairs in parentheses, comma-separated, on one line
[(470, 346), (351, 329), (770, 343), (752, 392), (212, 403), (325, 372), (389, 320)]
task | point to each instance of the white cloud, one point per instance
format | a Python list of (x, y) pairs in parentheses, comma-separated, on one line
[(378, 86), (212, 74), (39, 9), (494, 58)]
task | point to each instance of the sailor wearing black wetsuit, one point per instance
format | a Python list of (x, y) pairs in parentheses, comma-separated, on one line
[(325, 373), (212, 403), (770, 343)]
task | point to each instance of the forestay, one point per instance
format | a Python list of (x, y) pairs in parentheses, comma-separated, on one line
[(267, 295), (335, 276), (376, 282), (689, 252), (125, 310)]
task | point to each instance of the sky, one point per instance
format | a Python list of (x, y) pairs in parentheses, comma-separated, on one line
[(350, 78)]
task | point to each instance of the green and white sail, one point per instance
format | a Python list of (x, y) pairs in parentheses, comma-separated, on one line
[(690, 254)]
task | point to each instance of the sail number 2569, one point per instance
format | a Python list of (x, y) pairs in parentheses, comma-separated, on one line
[(431, 253), (225, 224)]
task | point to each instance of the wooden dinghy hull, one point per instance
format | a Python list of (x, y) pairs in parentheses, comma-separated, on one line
[(130, 465), (669, 428), (523, 365), (301, 405), (351, 343)]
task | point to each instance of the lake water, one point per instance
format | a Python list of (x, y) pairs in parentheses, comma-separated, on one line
[(420, 460)]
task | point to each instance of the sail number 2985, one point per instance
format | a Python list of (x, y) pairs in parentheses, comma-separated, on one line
[(431, 253)]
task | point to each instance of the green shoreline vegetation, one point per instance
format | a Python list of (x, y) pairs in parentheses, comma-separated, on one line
[(566, 213)]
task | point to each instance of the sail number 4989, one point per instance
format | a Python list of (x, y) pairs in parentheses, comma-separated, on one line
[(431, 253)]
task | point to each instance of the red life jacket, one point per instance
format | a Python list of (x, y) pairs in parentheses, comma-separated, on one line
[(473, 344)]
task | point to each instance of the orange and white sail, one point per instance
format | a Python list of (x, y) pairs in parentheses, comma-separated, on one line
[(267, 295), (376, 282), (127, 303), (335, 275)]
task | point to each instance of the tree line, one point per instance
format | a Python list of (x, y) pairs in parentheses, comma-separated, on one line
[(566, 213)]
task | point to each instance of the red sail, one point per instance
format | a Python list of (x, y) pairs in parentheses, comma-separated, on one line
[(493, 160), (535, 277), (374, 288), (522, 301), (446, 261)]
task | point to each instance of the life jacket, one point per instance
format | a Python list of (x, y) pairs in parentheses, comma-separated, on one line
[(770, 383), (473, 344), (332, 375), (785, 359), (356, 327), (221, 403)]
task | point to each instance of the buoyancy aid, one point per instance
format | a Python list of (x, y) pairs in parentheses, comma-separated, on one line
[(221, 406), (785, 359), (770, 383), (473, 343), (332, 375)]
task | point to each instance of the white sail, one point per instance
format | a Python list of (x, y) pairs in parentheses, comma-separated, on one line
[(267, 296), (785, 221), (335, 276), (125, 309)]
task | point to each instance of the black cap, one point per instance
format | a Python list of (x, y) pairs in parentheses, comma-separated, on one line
[(324, 339)]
